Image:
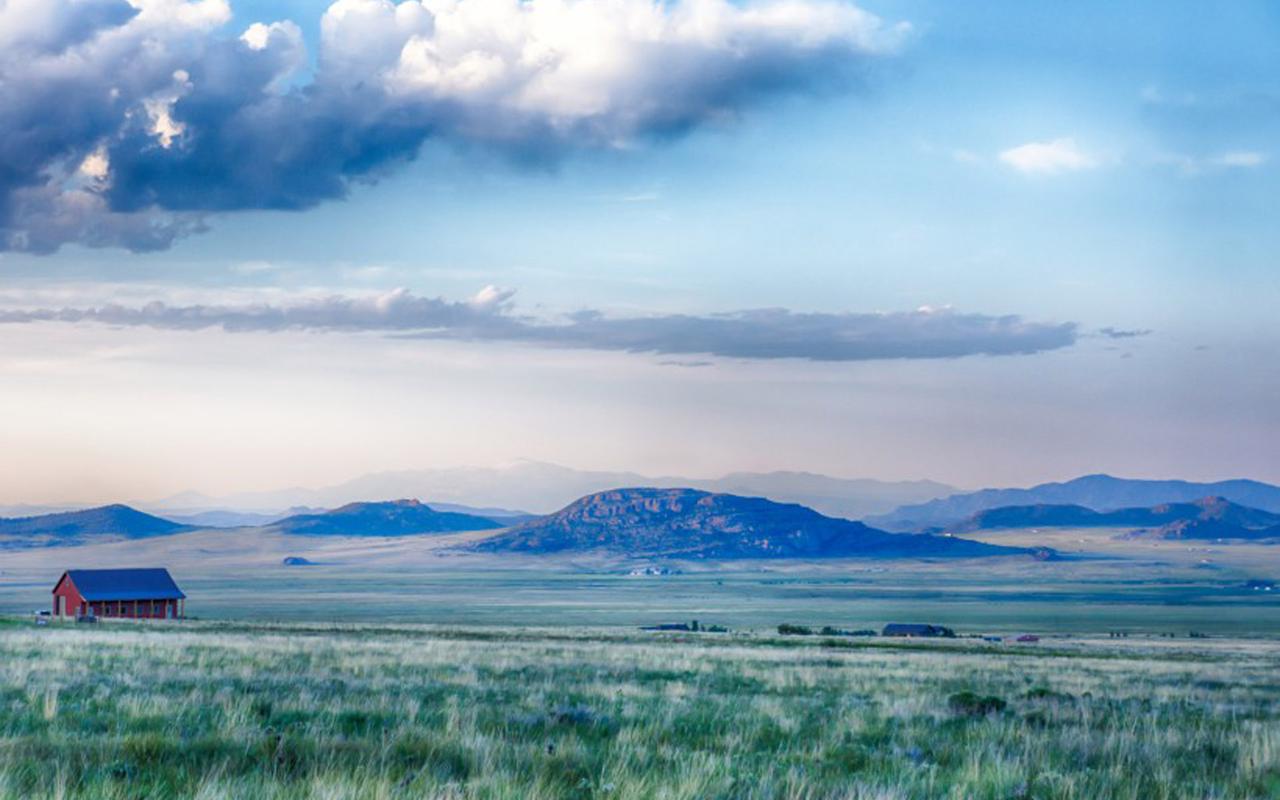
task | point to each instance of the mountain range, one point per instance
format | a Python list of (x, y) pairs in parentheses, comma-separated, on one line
[(73, 527), (636, 523), (394, 518), (693, 524), (682, 522), (1093, 492), (1208, 509), (541, 488), (1206, 529)]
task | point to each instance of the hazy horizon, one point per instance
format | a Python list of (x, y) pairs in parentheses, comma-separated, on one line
[(234, 497)]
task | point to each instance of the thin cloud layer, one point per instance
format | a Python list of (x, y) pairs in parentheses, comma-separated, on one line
[(490, 317), (1118, 333), (127, 123)]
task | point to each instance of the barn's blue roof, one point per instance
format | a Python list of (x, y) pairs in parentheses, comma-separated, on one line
[(125, 584)]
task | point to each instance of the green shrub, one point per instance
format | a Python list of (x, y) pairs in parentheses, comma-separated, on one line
[(968, 704)]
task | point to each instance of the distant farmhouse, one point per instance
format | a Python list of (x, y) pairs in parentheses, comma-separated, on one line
[(911, 630), (128, 593)]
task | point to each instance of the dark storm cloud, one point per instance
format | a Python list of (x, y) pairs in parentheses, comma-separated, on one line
[(128, 123)]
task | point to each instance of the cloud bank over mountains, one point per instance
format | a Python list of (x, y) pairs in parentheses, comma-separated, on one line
[(771, 333), (127, 123)]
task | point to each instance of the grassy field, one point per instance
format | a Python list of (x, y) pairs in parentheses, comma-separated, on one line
[(1101, 584), (394, 669), (1036, 598), (981, 602), (236, 710)]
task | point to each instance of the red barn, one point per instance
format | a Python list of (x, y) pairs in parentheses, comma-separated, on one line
[(130, 593)]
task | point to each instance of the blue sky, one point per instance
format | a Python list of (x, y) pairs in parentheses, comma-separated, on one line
[(1113, 169)]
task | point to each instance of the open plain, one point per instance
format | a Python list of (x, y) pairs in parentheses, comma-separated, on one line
[(408, 667), (229, 710)]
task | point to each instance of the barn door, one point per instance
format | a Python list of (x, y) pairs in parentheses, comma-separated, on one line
[(62, 606)]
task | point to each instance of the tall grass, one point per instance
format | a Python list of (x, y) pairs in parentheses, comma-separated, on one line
[(243, 711)]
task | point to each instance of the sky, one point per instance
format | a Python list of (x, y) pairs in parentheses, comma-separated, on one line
[(263, 243)]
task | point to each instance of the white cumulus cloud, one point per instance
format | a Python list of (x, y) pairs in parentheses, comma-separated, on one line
[(174, 117), (1049, 158)]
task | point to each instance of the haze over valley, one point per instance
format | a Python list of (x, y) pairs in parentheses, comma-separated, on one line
[(1210, 546)]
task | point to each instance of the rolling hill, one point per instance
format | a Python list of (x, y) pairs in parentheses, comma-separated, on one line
[(1093, 492), (1216, 510), (1206, 530), (693, 524), (394, 518), (74, 527)]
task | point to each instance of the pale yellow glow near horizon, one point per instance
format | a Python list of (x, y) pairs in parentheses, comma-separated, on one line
[(93, 414)]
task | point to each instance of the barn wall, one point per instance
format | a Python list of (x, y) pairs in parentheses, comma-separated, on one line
[(67, 589)]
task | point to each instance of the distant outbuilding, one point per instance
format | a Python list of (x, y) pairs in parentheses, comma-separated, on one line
[(128, 593), (913, 630)]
